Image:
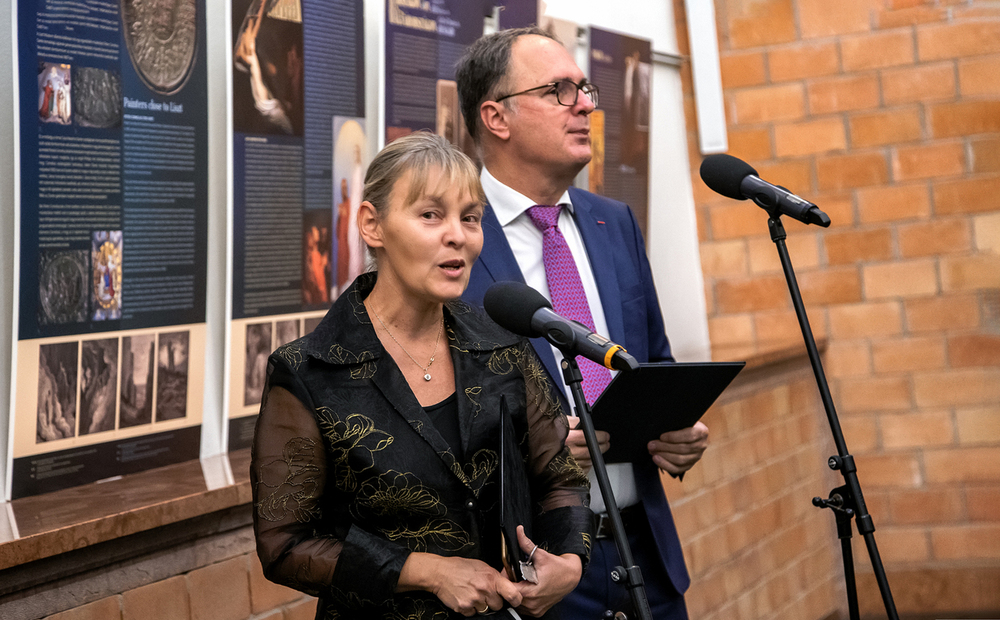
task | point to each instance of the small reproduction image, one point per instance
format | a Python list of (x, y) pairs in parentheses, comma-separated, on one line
[(97, 97), (316, 247), (56, 391), (172, 376), (308, 325), (98, 385), (54, 103), (255, 370), (62, 286), (285, 332), (138, 356), (106, 274)]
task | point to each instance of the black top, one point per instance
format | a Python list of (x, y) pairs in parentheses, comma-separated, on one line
[(444, 415)]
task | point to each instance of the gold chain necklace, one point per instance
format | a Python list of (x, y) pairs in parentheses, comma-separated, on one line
[(437, 339)]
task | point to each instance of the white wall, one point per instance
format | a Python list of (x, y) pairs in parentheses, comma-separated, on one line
[(672, 238), (7, 204)]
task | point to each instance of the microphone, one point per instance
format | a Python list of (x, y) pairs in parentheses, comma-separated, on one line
[(524, 311), (736, 179)]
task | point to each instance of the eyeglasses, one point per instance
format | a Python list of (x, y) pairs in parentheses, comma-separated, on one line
[(566, 92)]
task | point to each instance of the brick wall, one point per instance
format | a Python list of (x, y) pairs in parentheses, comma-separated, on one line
[(886, 113), (234, 589)]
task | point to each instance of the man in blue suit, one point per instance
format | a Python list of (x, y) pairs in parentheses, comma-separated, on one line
[(527, 105)]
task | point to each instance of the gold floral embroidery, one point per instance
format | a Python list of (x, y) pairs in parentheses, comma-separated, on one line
[(473, 393), (351, 444), (396, 494), (298, 494), (440, 533), (292, 354)]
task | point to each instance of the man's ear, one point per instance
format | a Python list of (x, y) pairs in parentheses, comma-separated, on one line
[(369, 225), (495, 119)]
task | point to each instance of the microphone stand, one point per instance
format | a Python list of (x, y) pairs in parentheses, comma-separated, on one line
[(630, 576), (846, 501)]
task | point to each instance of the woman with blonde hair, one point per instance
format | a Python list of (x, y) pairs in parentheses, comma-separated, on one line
[(375, 459)]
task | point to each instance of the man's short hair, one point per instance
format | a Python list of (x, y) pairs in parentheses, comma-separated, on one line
[(482, 72)]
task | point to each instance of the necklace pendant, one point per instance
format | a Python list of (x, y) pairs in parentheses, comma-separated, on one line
[(427, 376)]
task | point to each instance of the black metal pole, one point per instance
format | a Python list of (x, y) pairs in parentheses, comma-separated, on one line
[(628, 575), (844, 462)]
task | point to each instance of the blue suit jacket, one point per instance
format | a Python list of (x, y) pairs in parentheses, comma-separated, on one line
[(625, 283)]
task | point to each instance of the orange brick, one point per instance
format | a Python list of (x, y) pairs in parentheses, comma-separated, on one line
[(861, 434), (730, 330), (803, 60), (840, 208), (876, 50), (967, 386), (987, 231), (974, 350), (891, 127), (302, 610), (978, 76), (895, 470), (220, 591), (723, 258), (835, 173), (742, 69), (958, 40), (908, 354), (779, 326), (104, 609), (911, 16), (847, 359), (840, 94), (986, 155), (749, 144), (963, 464), (983, 503), (913, 278), (905, 545), (857, 245), (925, 161), (914, 430), (164, 600), (895, 203), (934, 237), (879, 394), (966, 195), (934, 82), (942, 313), (964, 118), (839, 285), (865, 319), (736, 219), (910, 507), (795, 174), (745, 22), (264, 594), (966, 273), (819, 18), (966, 542), (979, 425), (802, 249), (750, 295), (767, 103), (809, 137)]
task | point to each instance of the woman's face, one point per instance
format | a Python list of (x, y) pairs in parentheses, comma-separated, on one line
[(425, 250)]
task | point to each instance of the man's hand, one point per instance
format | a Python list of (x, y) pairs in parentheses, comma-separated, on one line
[(677, 451), (577, 444), (557, 576)]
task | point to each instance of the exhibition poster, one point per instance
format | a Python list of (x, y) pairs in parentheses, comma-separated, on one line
[(299, 156), (621, 66), (112, 139)]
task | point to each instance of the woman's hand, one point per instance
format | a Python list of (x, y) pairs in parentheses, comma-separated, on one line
[(557, 576), (577, 443), (464, 585)]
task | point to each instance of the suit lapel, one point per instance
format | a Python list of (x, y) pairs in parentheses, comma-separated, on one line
[(597, 240)]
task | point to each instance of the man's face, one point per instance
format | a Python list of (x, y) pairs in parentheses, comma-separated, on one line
[(544, 133)]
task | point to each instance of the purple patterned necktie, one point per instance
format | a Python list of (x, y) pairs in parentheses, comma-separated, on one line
[(566, 290)]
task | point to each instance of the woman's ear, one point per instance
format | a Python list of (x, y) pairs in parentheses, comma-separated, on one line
[(369, 226), (494, 117)]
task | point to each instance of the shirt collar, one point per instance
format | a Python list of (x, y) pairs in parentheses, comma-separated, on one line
[(509, 203)]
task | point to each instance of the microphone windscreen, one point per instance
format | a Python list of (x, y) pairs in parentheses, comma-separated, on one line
[(723, 174), (512, 304)]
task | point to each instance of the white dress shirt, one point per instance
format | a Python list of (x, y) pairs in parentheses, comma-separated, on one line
[(525, 240)]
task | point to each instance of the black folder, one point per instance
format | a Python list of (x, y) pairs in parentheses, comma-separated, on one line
[(638, 406), (515, 496)]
